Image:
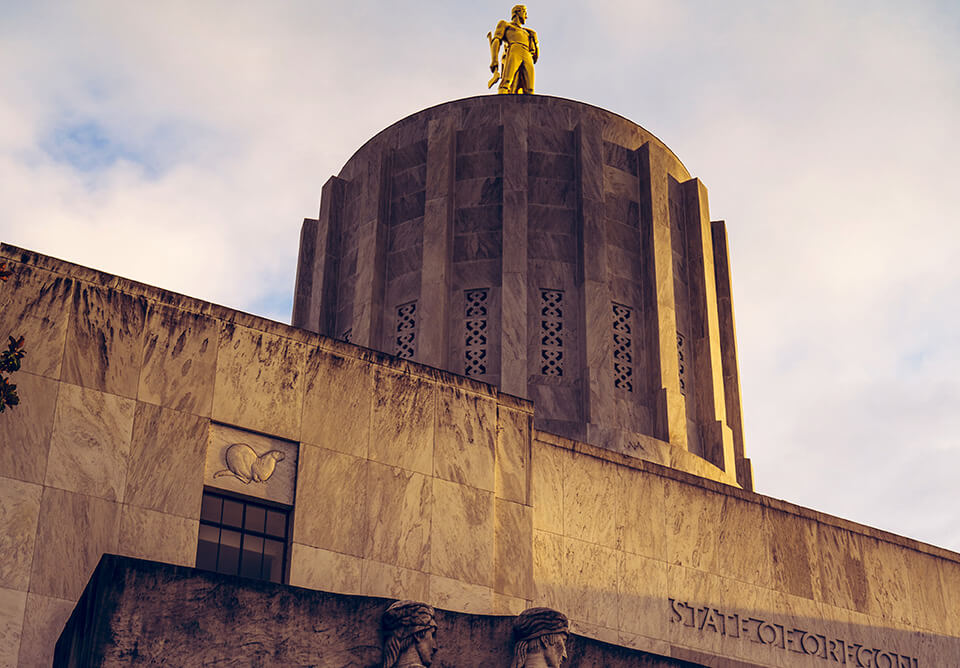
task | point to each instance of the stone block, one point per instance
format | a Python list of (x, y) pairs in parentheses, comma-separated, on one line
[(166, 465), (336, 403), (410, 155), (643, 514), (73, 532), (696, 588), (37, 307), (555, 247), (27, 428), (466, 435), (950, 583), (104, 345), (147, 534), (693, 520), (399, 511), (315, 568), (622, 210), (620, 157), (462, 538), (512, 462), (259, 381), (90, 442), (591, 501), (407, 207), (642, 593), (743, 524), (552, 219), (388, 581), (409, 180), (331, 485), (548, 581), (546, 487), (179, 360), (509, 605), (251, 464), (19, 510), (550, 166), (13, 602), (43, 621), (478, 246), (482, 138), (549, 139), (555, 192), (479, 192), (792, 545), (459, 596), (513, 552), (477, 218), (479, 165), (844, 580), (590, 576), (405, 235), (402, 422)]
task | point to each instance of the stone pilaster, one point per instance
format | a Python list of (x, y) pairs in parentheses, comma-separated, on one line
[(435, 279), (513, 317), (728, 350), (371, 256), (716, 439), (595, 310), (671, 421)]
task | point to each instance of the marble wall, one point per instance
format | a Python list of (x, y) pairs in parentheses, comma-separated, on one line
[(406, 482)]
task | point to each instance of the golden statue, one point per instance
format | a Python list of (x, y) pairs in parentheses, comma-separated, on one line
[(520, 52)]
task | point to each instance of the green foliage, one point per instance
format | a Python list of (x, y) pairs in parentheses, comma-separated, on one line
[(9, 359)]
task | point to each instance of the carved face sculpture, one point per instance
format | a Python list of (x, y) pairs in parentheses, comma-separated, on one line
[(520, 14), (555, 650), (426, 643)]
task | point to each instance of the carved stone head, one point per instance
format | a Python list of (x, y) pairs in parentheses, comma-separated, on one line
[(409, 635), (540, 638)]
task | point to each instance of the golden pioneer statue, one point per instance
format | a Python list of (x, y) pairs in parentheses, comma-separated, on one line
[(520, 52)]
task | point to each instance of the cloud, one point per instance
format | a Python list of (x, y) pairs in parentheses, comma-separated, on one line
[(181, 144)]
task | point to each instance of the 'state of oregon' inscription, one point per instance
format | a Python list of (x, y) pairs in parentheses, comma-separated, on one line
[(832, 650)]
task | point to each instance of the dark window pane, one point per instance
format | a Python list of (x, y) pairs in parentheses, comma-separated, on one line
[(254, 519), (229, 561), (207, 547), (277, 524), (273, 560), (210, 508), (252, 554), (232, 513)]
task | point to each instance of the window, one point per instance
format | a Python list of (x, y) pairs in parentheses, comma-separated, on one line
[(240, 537)]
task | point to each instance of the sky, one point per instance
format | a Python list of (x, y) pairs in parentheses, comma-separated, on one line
[(182, 143)]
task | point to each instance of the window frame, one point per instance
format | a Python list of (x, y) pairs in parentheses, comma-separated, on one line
[(264, 535)]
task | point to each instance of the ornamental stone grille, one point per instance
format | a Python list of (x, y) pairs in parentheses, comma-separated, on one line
[(475, 346), (622, 348), (406, 330), (681, 363), (551, 332)]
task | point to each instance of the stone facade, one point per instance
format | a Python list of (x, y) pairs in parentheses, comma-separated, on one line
[(550, 248), (405, 481)]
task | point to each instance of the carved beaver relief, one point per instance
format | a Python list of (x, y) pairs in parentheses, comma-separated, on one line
[(247, 466)]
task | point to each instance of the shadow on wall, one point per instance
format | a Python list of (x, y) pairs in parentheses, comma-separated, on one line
[(138, 612)]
